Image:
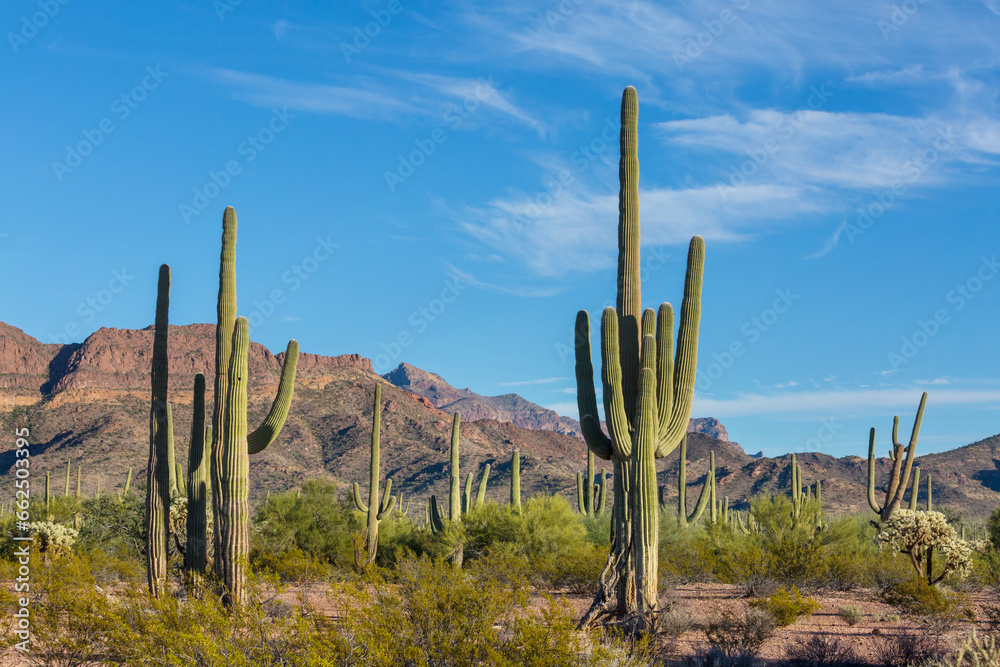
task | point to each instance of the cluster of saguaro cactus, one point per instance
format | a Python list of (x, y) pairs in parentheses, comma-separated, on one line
[(375, 509), (902, 464), (591, 496), (802, 497), (647, 394), (227, 466)]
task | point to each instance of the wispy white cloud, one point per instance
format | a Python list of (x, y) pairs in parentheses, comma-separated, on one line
[(575, 231), (831, 243), (521, 291), (826, 402), (911, 74)]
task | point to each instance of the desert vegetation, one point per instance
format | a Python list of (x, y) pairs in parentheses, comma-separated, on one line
[(183, 570)]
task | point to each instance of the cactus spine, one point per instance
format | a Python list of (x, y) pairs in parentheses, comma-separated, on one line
[(899, 478), (231, 443), (515, 480), (157, 473), (195, 555), (647, 394), (375, 510), (683, 518)]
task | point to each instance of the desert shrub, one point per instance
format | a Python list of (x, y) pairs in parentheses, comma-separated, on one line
[(674, 623), (548, 533), (851, 614), (316, 521), (939, 610), (993, 528), (293, 566), (822, 649), (887, 572), (786, 606), (687, 560), (907, 648), (598, 528), (115, 525), (739, 637)]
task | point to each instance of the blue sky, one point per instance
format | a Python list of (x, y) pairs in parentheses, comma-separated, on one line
[(436, 183)]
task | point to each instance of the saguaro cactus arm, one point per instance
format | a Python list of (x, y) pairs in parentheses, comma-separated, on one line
[(586, 398), (195, 556), (270, 428), (481, 491), (899, 478), (515, 480)]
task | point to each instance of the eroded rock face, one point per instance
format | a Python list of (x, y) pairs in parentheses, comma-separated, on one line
[(119, 360)]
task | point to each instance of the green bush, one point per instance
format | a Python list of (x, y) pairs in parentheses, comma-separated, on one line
[(939, 610), (115, 525), (786, 606), (851, 614), (316, 521)]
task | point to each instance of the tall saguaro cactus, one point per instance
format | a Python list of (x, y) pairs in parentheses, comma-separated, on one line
[(157, 470), (231, 442), (375, 510), (647, 394), (455, 494), (590, 497), (899, 477), (515, 480), (195, 555)]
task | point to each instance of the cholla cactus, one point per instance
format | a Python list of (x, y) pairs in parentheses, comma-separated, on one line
[(54, 539), (178, 515), (911, 532)]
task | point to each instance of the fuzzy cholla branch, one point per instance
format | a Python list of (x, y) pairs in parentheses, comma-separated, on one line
[(54, 539), (911, 532)]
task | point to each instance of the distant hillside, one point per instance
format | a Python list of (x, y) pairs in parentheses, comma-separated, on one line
[(89, 403)]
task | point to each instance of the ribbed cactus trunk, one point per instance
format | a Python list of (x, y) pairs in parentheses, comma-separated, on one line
[(515, 480), (195, 556), (481, 491), (375, 509), (585, 489), (234, 472), (455, 495), (232, 444), (69, 468), (158, 473)]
